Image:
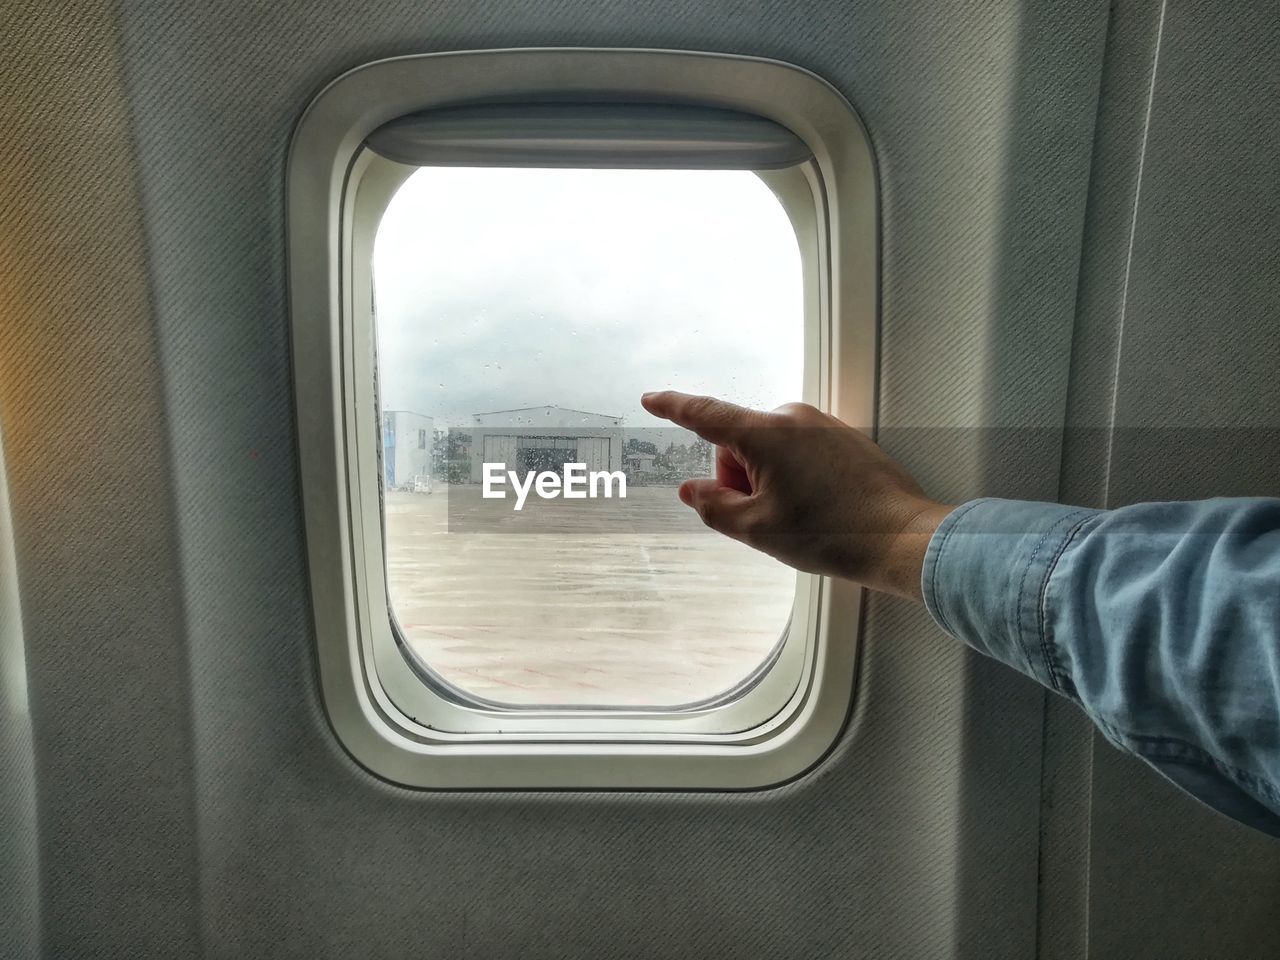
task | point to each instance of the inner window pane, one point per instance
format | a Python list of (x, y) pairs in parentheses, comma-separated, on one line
[(520, 313)]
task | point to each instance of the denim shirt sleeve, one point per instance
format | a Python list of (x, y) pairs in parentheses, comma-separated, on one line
[(1161, 620)]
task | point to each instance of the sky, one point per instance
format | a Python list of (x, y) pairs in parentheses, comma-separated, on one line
[(505, 288)]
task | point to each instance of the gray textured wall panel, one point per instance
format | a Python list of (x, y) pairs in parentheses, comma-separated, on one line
[(982, 115), (86, 457), (1113, 187), (1119, 139), (1200, 346), (1200, 341), (302, 854)]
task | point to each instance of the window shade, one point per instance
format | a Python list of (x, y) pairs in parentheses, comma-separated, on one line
[(614, 135)]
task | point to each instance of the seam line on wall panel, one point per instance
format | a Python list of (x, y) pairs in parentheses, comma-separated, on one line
[(1128, 261), (1072, 391)]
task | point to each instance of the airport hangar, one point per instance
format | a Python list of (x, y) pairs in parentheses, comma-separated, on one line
[(544, 438)]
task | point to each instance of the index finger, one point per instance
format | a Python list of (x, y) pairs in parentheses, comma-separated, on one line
[(714, 420)]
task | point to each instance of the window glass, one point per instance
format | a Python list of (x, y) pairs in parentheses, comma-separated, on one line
[(519, 314)]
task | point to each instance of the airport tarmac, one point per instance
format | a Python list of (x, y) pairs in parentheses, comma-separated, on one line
[(655, 612)]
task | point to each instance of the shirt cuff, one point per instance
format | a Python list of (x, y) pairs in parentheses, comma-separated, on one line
[(984, 578)]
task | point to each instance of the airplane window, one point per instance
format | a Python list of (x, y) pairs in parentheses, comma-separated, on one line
[(507, 591), (536, 551)]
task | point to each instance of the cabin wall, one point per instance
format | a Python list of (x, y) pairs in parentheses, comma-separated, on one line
[(1197, 414), (90, 485), (190, 798)]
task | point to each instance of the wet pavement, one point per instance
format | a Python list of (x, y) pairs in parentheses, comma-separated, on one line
[(654, 611)]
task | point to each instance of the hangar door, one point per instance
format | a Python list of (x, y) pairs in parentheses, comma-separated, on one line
[(547, 453), (500, 450), (594, 452)]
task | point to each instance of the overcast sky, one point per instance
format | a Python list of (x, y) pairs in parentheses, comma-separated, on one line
[(582, 288)]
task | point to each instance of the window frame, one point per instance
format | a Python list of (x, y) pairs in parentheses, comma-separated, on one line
[(742, 712), (387, 717)]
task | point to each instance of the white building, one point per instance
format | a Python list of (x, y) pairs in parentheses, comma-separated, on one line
[(545, 438), (406, 450)]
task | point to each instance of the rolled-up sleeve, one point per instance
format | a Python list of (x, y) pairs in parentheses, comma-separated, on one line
[(1161, 620)]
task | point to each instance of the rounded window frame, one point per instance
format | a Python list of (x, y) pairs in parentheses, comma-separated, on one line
[(382, 711)]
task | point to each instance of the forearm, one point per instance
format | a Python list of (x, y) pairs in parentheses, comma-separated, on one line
[(1161, 620)]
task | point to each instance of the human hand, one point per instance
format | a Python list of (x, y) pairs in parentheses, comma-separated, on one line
[(808, 489)]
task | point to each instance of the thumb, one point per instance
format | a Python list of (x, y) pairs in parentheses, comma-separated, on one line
[(721, 508)]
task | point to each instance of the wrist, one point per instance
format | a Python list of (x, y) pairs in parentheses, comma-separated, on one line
[(903, 562)]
